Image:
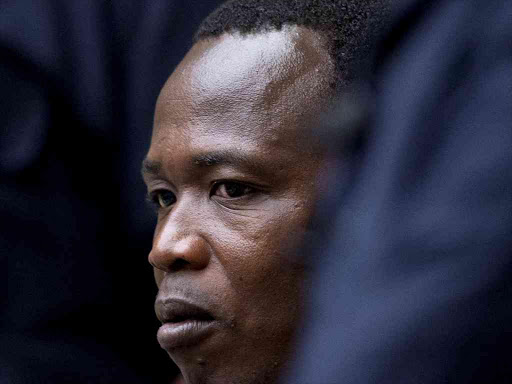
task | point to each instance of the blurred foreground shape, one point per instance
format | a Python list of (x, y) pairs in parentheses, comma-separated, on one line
[(413, 273)]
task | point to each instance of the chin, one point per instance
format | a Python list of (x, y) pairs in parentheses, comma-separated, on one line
[(203, 375), (228, 366)]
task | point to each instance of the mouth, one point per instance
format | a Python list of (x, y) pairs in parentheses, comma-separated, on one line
[(183, 323)]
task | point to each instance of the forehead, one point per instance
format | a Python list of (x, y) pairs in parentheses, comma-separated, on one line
[(260, 87)]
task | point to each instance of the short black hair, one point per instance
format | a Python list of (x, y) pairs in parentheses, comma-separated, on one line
[(349, 26)]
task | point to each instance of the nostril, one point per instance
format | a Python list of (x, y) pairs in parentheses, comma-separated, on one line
[(179, 264)]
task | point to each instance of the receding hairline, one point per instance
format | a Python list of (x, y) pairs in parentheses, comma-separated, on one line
[(349, 26), (318, 66)]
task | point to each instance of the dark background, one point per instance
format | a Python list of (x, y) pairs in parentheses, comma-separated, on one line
[(78, 84)]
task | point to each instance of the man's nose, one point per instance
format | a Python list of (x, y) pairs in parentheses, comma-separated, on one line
[(177, 247)]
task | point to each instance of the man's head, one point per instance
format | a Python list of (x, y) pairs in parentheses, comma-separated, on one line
[(232, 171)]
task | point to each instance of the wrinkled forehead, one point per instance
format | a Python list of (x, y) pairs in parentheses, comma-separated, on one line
[(270, 79)]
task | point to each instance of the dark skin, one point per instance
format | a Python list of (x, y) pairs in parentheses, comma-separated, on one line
[(232, 172)]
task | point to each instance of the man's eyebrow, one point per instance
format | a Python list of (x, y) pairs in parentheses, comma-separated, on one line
[(225, 158), (208, 159), (150, 167)]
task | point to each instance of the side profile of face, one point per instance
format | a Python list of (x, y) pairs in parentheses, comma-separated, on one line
[(232, 171)]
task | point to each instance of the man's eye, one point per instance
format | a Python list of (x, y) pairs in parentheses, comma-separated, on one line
[(163, 198), (231, 190)]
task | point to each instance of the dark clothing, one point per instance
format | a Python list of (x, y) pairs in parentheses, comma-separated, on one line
[(415, 283)]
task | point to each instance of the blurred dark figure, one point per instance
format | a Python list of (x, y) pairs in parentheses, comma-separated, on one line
[(79, 80), (414, 285)]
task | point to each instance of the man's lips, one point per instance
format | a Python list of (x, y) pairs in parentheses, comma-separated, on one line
[(178, 310), (184, 323)]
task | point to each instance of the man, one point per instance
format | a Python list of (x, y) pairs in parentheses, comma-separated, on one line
[(231, 171)]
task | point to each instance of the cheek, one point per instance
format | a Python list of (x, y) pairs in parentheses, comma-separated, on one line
[(261, 253), (268, 280)]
